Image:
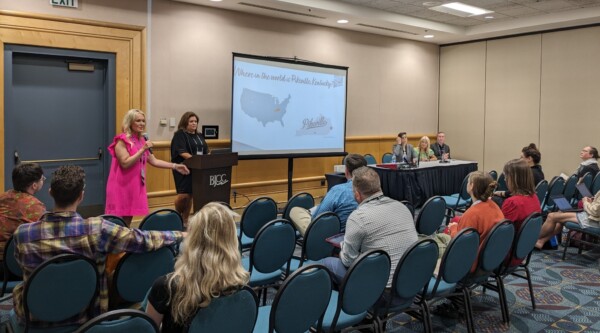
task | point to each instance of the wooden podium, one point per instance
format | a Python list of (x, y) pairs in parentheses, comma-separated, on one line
[(211, 177)]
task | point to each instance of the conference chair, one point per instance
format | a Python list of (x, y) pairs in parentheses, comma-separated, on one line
[(236, 312), (314, 246), (58, 289), (361, 287), (300, 302), (595, 184), (165, 219), (410, 207), (120, 321), (541, 190), (494, 174), (13, 275), (586, 234), (570, 189), (556, 186), (136, 272), (522, 248), (493, 252), (272, 249), (457, 202), (370, 159), (455, 265), (303, 199), (431, 216), (412, 274), (587, 179), (258, 213), (501, 183), (386, 158)]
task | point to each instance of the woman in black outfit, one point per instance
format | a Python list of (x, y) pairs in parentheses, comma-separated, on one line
[(533, 157), (186, 142)]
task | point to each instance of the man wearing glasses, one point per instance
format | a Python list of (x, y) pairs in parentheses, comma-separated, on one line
[(18, 206), (589, 155)]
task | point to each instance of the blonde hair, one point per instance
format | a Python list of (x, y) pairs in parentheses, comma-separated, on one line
[(424, 138), (209, 264), (129, 119)]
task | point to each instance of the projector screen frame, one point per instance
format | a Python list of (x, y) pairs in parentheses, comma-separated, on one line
[(294, 60)]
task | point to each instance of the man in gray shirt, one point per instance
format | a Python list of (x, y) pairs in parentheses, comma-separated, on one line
[(378, 223)]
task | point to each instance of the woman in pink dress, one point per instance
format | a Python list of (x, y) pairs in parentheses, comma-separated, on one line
[(126, 186)]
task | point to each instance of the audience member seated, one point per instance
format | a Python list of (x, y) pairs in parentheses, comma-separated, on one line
[(589, 217), (65, 231), (424, 152), (483, 213), (532, 156), (378, 223), (18, 206), (440, 147), (209, 265), (523, 201), (339, 199), (404, 151), (589, 155)]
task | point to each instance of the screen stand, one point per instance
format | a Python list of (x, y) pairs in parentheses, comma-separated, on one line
[(290, 176)]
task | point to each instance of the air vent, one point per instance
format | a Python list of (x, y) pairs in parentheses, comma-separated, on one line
[(280, 10), (387, 29)]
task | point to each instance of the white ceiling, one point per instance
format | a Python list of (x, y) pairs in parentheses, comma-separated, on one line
[(412, 19)]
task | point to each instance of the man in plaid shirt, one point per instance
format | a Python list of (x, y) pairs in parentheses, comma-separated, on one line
[(65, 231)]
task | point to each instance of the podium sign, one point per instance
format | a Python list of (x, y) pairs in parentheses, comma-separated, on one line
[(211, 177)]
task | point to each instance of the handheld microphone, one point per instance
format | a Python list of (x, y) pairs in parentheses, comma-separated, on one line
[(405, 159), (145, 135)]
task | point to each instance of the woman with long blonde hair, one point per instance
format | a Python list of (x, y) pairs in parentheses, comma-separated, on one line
[(423, 151), (209, 265)]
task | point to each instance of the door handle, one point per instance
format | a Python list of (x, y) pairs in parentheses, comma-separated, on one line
[(16, 157), (95, 158)]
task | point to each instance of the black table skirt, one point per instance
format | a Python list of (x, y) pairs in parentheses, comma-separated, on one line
[(418, 185)]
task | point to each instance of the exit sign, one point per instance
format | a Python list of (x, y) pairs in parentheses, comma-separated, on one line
[(64, 3)]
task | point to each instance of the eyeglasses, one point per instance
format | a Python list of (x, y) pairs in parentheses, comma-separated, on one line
[(585, 151), (43, 178)]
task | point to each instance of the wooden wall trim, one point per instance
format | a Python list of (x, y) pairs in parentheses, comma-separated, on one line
[(127, 42)]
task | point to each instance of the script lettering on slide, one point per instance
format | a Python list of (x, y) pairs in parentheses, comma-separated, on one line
[(315, 126), (263, 107)]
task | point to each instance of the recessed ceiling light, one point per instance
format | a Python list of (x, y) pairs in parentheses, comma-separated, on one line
[(428, 36), (216, 0), (460, 9), (342, 21)]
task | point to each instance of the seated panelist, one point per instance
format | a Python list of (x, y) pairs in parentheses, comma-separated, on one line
[(424, 151), (403, 150)]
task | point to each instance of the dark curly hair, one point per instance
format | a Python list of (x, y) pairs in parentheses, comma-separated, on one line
[(68, 182)]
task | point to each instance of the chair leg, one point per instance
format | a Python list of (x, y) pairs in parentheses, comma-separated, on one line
[(528, 275), (468, 310), (427, 323), (568, 242), (503, 300)]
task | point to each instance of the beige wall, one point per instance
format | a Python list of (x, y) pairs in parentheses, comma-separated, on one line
[(541, 88)]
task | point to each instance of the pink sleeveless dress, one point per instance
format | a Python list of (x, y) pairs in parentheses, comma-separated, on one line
[(126, 188)]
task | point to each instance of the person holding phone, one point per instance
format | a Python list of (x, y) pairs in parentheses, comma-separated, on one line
[(186, 142)]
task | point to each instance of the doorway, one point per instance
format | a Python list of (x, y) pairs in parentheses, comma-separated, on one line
[(60, 109)]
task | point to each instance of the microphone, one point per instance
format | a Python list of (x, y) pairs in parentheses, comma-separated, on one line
[(145, 135), (405, 160)]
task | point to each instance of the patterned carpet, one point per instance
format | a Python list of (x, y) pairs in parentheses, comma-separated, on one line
[(567, 295)]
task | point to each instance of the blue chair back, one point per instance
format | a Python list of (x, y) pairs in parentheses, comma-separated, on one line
[(12, 270), (323, 226), (386, 158), (415, 269), (496, 246), (502, 183), (364, 282), (458, 257), (431, 216), (541, 190), (136, 272), (273, 246), (258, 213), (527, 236), (588, 179), (114, 219), (120, 321), (60, 288), (494, 175), (232, 313), (301, 301), (595, 184), (304, 200), (570, 187), (370, 159), (556, 186), (163, 220), (410, 207), (464, 195)]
